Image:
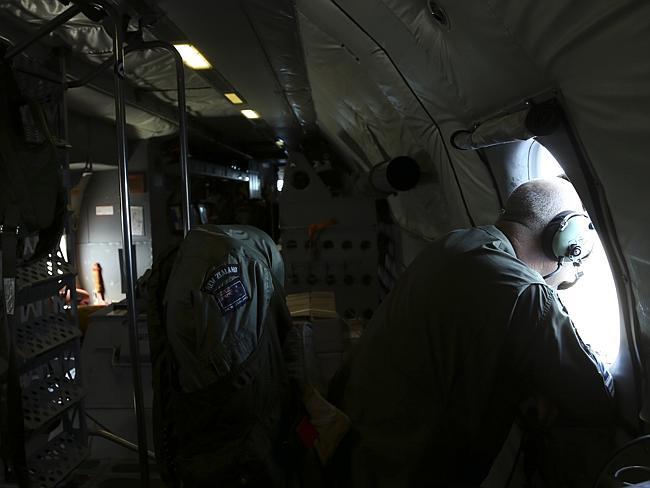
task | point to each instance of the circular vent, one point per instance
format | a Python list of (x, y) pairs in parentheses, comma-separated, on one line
[(300, 180)]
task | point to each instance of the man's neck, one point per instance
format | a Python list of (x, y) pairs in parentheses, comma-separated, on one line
[(526, 247)]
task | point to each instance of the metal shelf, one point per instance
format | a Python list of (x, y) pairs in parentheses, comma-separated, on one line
[(43, 278), (53, 462), (43, 335), (48, 398)]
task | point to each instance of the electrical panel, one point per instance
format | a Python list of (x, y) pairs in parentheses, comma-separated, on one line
[(329, 243)]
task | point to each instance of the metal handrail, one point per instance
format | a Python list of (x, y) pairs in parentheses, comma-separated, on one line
[(110, 436), (182, 111), (182, 120), (119, 76)]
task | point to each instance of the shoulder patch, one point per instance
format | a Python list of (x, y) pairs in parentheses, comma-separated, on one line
[(218, 276), (225, 284), (231, 296)]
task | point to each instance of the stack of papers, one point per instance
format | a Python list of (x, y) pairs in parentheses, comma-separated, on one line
[(314, 304)]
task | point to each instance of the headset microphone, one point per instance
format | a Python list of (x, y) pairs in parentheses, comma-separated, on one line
[(559, 266)]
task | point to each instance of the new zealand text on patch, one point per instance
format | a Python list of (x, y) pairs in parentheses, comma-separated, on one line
[(231, 296), (219, 276)]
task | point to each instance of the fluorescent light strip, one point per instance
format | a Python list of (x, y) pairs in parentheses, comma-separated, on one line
[(250, 114), (192, 57), (233, 98)]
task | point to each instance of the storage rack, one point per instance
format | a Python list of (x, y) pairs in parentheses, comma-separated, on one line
[(54, 339), (47, 351), (45, 331)]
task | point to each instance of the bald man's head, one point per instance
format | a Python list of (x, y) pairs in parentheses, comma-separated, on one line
[(535, 203)]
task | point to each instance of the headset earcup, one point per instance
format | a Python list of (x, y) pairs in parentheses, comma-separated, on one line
[(550, 233), (566, 233)]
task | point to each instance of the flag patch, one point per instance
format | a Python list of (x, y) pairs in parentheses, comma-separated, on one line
[(231, 296)]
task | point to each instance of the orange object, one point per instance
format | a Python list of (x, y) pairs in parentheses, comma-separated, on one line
[(98, 282), (314, 229)]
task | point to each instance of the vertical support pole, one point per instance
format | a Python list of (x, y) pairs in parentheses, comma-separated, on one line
[(182, 115), (182, 123), (70, 235), (64, 135), (129, 272), (182, 129)]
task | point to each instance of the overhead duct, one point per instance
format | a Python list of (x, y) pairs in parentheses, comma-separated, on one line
[(398, 174), (537, 120)]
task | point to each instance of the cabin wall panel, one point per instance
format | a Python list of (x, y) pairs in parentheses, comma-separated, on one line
[(329, 243), (354, 79)]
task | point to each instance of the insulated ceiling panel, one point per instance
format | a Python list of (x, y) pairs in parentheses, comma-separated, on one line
[(223, 32)]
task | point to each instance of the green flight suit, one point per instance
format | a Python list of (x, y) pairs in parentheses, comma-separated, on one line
[(223, 398), (466, 334)]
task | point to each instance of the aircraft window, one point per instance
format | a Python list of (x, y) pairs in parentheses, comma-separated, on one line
[(279, 184), (593, 301)]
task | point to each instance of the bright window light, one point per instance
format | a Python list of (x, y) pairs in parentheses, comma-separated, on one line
[(233, 98), (593, 305), (250, 114), (192, 57), (63, 245), (541, 163), (592, 302)]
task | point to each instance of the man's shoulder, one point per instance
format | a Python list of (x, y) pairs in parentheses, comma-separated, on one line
[(486, 253), (476, 242)]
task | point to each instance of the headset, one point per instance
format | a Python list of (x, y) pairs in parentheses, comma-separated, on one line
[(568, 237)]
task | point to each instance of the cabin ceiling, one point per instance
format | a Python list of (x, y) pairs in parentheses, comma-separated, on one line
[(151, 90), (385, 78)]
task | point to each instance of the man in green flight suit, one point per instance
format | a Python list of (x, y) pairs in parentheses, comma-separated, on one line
[(470, 330), (223, 401)]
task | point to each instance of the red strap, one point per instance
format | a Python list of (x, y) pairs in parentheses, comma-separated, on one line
[(307, 433)]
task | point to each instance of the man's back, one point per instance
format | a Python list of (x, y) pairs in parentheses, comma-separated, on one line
[(227, 405), (434, 384)]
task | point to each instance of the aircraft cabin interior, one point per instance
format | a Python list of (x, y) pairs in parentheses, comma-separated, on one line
[(227, 253)]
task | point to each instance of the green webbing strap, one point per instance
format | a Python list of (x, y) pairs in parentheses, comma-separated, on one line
[(13, 422)]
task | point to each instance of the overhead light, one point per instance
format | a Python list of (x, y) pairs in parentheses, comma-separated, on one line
[(250, 114), (192, 57), (233, 98)]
